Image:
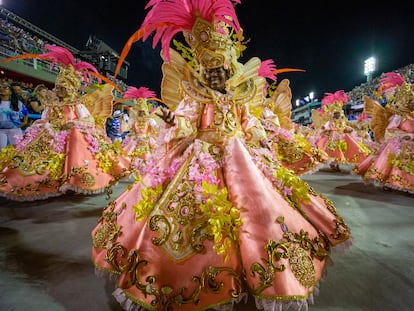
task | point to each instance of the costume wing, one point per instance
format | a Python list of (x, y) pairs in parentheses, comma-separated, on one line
[(282, 103), (173, 73), (379, 117), (244, 73), (99, 103)]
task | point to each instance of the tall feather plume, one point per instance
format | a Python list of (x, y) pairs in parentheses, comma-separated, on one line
[(167, 18), (267, 69), (390, 80), (64, 57), (58, 54)]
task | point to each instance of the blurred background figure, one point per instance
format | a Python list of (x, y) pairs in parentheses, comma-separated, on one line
[(13, 115), (141, 140), (114, 129), (391, 165), (66, 149), (335, 134), (36, 103)]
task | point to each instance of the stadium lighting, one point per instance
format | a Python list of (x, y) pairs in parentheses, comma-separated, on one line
[(369, 67), (311, 96)]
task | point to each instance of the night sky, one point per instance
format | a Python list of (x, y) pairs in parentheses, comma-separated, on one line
[(328, 39)]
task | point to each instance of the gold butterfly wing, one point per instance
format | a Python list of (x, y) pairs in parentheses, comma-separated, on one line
[(379, 117), (282, 103), (318, 119), (100, 103), (173, 74)]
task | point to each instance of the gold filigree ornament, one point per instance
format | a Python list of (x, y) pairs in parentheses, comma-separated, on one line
[(212, 45), (109, 231), (70, 79), (88, 179), (403, 103), (302, 266), (337, 106)]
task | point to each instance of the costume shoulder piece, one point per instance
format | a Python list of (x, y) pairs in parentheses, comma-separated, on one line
[(248, 85)]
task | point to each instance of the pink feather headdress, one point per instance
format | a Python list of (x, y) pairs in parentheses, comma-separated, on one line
[(65, 58), (363, 117), (389, 80), (135, 93), (140, 94), (333, 102), (339, 96)]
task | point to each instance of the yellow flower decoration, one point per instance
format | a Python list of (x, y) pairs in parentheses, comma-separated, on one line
[(6, 155), (342, 146), (105, 163), (149, 197), (224, 219), (55, 165), (299, 188), (366, 150)]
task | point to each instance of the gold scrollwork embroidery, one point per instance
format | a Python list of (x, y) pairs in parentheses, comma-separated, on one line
[(164, 296)]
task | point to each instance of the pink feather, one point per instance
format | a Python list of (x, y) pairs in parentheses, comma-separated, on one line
[(267, 69), (362, 117), (390, 79), (167, 18)]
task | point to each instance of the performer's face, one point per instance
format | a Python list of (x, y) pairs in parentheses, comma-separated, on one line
[(5, 91), (61, 91), (216, 78)]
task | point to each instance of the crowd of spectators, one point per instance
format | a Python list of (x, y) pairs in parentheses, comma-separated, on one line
[(19, 40), (369, 87)]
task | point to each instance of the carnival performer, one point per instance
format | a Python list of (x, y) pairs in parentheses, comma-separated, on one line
[(34, 104), (144, 127), (391, 165), (12, 112), (363, 133), (216, 218), (292, 148), (335, 134), (64, 150)]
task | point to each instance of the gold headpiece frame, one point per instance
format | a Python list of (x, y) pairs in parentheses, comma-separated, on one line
[(69, 78), (212, 45), (334, 107)]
